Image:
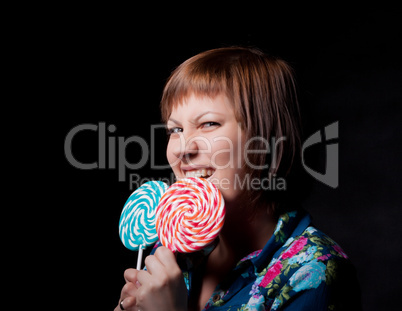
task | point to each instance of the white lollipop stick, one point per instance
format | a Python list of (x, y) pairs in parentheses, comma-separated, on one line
[(139, 258)]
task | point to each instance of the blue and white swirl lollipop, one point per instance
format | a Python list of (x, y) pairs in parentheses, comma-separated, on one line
[(137, 221)]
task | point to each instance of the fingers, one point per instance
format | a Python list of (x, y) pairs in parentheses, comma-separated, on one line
[(162, 269), (130, 275), (129, 290), (168, 260), (160, 287), (127, 303), (163, 259), (154, 265), (166, 256)]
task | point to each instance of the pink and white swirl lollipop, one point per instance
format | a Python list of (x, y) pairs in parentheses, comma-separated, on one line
[(190, 215)]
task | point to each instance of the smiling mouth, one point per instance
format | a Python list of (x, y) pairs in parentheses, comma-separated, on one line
[(203, 173)]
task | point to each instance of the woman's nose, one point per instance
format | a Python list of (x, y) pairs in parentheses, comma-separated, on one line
[(188, 147)]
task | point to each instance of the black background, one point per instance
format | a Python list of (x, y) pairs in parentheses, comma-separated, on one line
[(110, 65)]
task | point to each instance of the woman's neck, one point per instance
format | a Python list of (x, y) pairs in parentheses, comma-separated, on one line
[(246, 231)]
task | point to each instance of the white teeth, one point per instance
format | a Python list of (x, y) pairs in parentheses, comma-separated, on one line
[(200, 173)]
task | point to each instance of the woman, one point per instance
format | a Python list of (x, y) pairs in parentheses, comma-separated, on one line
[(232, 117)]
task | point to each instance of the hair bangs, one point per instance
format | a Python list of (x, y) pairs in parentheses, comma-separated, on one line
[(196, 76)]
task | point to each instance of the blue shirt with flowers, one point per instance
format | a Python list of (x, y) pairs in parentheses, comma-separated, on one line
[(300, 268)]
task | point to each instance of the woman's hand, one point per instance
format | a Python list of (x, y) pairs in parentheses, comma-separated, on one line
[(159, 288), (128, 293)]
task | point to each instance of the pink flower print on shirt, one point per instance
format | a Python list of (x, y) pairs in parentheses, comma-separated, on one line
[(339, 250), (296, 247), (271, 274), (324, 257)]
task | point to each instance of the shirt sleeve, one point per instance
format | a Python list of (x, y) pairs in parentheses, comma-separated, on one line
[(319, 286)]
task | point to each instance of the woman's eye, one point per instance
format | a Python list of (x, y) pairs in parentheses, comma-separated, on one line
[(209, 124), (174, 130)]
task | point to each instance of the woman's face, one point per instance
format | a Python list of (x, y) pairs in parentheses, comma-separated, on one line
[(207, 141)]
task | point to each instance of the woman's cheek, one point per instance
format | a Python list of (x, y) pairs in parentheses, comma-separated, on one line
[(229, 194), (222, 155)]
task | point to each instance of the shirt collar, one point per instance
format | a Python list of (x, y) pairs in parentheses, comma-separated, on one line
[(289, 225)]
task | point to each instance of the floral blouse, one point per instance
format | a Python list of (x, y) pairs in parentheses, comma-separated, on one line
[(300, 268)]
